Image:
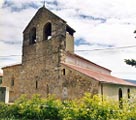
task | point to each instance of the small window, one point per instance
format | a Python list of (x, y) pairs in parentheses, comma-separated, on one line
[(36, 84), (47, 89), (47, 31), (63, 72), (32, 36), (12, 82)]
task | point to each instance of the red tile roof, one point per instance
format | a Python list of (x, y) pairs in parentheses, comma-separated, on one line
[(99, 76), (13, 65)]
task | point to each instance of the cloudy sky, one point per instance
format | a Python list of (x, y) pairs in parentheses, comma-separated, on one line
[(104, 30)]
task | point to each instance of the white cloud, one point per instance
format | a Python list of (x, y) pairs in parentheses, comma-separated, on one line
[(1, 2), (112, 59), (13, 23), (117, 30)]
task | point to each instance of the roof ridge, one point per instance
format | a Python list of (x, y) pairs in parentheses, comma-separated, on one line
[(87, 60), (17, 64)]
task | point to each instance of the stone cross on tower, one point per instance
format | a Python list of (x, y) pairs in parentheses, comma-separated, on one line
[(43, 3)]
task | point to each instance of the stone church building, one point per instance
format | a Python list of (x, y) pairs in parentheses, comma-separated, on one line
[(49, 65)]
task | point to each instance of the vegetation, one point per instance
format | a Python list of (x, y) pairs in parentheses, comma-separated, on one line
[(131, 62), (86, 108)]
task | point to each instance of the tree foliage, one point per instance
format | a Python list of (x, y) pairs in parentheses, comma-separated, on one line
[(131, 62)]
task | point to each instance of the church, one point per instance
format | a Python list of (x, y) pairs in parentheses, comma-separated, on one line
[(50, 66)]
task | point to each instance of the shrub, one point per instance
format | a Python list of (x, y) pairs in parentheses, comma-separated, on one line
[(86, 108)]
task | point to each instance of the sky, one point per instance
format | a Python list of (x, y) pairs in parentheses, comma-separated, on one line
[(104, 30)]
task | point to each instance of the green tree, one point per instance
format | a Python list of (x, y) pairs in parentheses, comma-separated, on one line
[(135, 32), (131, 62)]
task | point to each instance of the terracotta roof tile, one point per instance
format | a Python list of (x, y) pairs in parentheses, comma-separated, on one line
[(13, 65), (99, 76)]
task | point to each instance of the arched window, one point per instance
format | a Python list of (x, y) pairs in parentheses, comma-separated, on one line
[(128, 91), (32, 36), (47, 31), (70, 30), (120, 98)]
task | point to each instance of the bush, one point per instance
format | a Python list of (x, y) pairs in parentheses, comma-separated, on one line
[(86, 108)]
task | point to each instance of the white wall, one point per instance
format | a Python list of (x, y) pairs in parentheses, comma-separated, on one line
[(112, 90)]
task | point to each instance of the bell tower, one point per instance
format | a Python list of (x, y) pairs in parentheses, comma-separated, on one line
[(45, 39)]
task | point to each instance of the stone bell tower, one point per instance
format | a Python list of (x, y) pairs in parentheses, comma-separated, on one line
[(46, 34), (45, 39)]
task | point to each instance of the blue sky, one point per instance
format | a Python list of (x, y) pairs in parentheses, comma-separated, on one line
[(99, 24)]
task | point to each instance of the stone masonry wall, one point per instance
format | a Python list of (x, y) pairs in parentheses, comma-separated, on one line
[(12, 74), (41, 70), (77, 84)]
